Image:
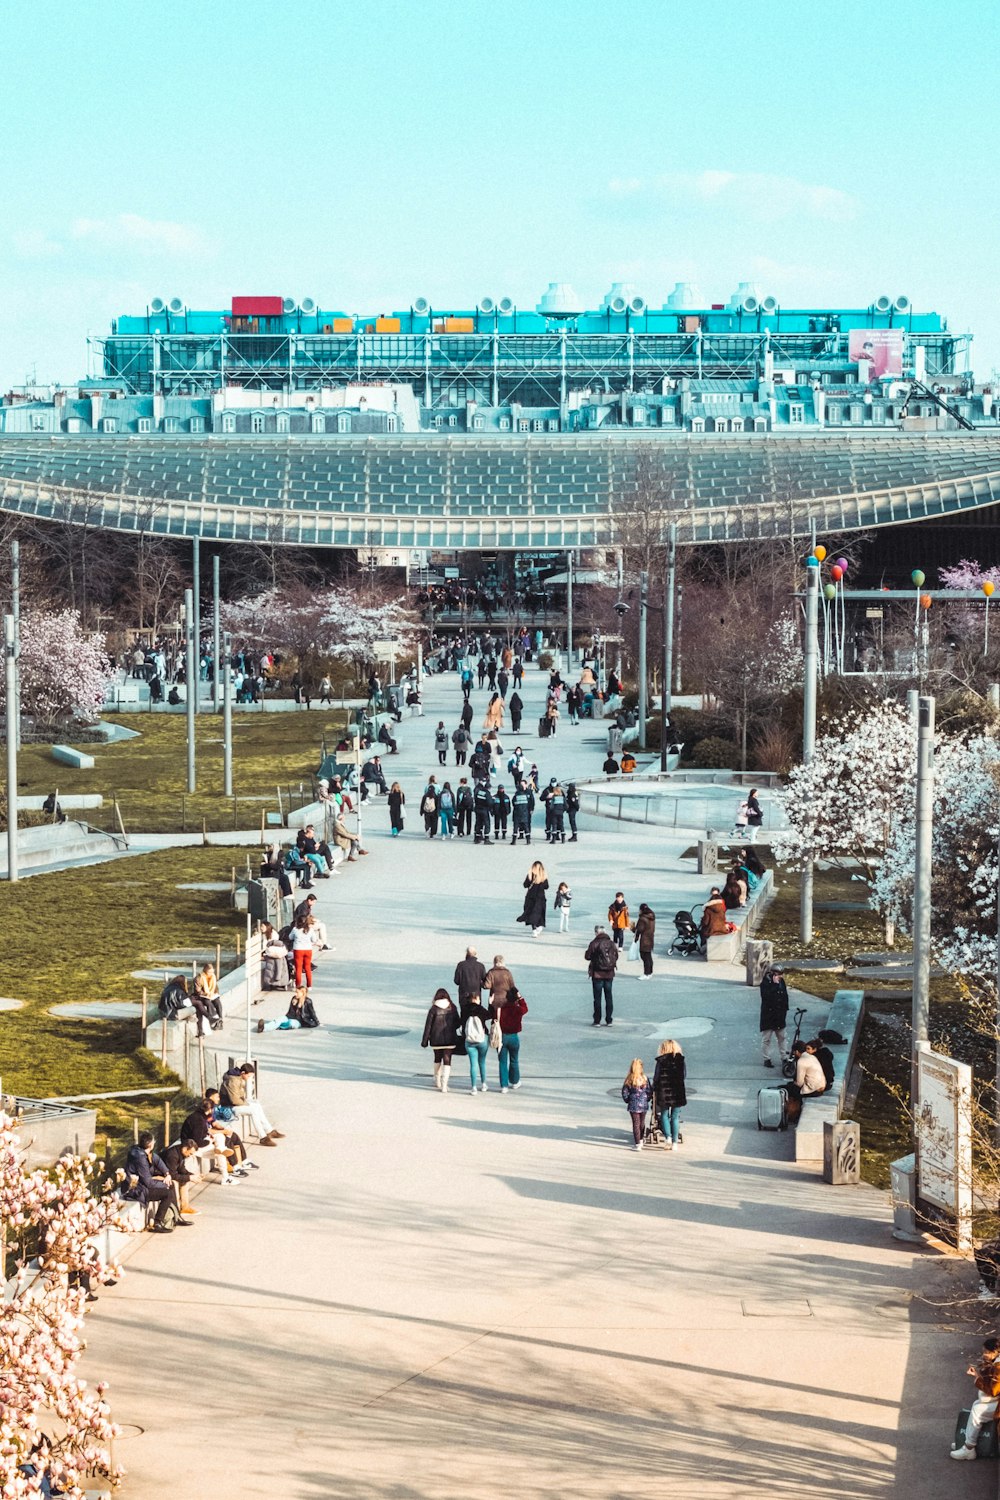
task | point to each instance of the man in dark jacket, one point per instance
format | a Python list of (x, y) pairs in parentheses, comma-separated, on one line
[(149, 1182), (460, 740), (501, 812), (464, 804), (466, 715), (572, 808), (483, 801), (773, 1013), (176, 1159), (522, 806), (602, 960), (470, 976)]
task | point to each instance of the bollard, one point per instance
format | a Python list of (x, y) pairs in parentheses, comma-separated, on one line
[(135, 1130), (166, 1122), (759, 958), (708, 857)]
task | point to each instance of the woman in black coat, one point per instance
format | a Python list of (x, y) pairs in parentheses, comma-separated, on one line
[(535, 885), (669, 1093), (516, 707), (441, 1032)]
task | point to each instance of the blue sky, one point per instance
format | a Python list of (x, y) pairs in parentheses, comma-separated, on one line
[(364, 155)]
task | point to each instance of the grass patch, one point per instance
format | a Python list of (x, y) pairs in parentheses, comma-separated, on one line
[(101, 922), (148, 775)]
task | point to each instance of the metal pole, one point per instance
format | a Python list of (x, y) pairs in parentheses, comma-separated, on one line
[(357, 763), (677, 639), (196, 595), (922, 887), (669, 588), (15, 609), (216, 633), (10, 676), (643, 603), (809, 733), (569, 610), (227, 719), (191, 686)]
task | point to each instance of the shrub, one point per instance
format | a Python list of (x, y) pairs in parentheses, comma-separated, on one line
[(714, 754), (545, 661), (693, 724), (774, 748)]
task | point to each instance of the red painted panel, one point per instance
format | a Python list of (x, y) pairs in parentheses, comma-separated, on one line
[(257, 307)]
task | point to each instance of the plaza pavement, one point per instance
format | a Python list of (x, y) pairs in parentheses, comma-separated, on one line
[(427, 1297)]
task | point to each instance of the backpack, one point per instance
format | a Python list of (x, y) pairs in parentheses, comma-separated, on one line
[(446, 803), (465, 796), (606, 956), (475, 1031), (429, 803)]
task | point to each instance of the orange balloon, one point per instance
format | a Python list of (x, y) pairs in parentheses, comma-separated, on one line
[(988, 589), (819, 553), (925, 600)]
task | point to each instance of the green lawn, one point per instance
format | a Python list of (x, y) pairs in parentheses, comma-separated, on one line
[(149, 774), (100, 923)]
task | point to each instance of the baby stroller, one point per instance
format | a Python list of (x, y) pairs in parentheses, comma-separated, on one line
[(688, 938)]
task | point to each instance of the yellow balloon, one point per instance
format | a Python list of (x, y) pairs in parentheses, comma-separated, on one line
[(819, 553), (988, 589)]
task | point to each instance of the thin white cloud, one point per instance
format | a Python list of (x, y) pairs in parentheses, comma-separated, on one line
[(763, 195), (134, 232), (35, 244)]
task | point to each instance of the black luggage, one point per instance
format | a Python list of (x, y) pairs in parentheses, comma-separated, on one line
[(986, 1443), (772, 1107), (543, 728)]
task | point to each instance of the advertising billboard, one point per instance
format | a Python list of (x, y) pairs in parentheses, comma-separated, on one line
[(881, 348)]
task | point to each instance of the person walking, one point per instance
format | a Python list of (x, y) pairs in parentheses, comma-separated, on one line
[(644, 933), (470, 976), (602, 959), (461, 740), (536, 883), (446, 811), (429, 807), (510, 1015), (494, 714), (466, 683), (773, 1015), (397, 804), (755, 815), (572, 808), (516, 706), (441, 742), (464, 802), (475, 1022), (637, 1093), (498, 981), (441, 1032), (562, 904), (517, 670), (669, 1092), (618, 918), (482, 799), (984, 1408)]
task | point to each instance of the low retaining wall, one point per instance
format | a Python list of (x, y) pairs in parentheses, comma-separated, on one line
[(846, 1015)]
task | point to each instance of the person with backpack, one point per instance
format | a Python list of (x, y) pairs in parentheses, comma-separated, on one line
[(464, 803), (446, 810), (461, 741), (602, 960), (441, 742), (572, 808), (522, 806), (429, 807), (475, 1022), (466, 683), (501, 812)]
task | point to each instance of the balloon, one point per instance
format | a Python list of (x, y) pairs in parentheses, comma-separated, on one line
[(925, 601), (836, 572), (842, 564), (917, 577), (819, 553), (830, 590), (812, 562), (988, 589)]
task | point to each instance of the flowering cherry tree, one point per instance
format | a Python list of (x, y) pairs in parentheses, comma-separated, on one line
[(53, 1426), (842, 806), (64, 669), (334, 622)]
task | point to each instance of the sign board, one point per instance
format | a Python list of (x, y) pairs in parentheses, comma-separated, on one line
[(451, 573), (873, 614), (880, 350), (944, 1138), (384, 650)]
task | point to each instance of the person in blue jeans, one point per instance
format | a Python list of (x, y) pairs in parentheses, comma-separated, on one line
[(669, 1092), (510, 1015), (475, 1021), (446, 810)]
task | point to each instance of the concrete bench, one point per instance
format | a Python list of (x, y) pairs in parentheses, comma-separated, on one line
[(728, 947), (845, 1016), (79, 802), (67, 756)]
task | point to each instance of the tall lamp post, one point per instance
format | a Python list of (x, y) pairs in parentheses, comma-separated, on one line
[(227, 717), (643, 611), (10, 684), (669, 589), (924, 829), (191, 685), (809, 728)]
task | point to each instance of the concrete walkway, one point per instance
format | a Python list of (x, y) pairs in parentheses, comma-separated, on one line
[(427, 1297)]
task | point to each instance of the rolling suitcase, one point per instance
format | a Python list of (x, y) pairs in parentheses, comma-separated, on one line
[(543, 729), (986, 1443), (772, 1108)]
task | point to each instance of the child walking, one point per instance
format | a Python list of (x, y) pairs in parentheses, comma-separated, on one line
[(563, 902), (618, 918), (637, 1092)]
